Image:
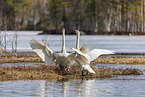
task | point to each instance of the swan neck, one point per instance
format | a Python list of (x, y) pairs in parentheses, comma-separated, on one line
[(77, 43), (63, 42)]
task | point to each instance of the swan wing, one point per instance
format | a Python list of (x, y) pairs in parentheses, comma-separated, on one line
[(81, 58), (43, 51), (88, 68), (84, 64), (97, 52), (84, 49), (70, 58), (77, 51)]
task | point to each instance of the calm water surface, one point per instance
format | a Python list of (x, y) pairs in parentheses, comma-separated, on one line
[(127, 44), (73, 88)]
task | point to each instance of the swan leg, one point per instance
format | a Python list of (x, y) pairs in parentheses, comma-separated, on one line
[(82, 72), (87, 73)]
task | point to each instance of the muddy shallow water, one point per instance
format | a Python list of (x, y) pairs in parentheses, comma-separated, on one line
[(123, 85)]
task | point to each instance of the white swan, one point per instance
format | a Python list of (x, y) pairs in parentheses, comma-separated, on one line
[(84, 59), (48, 56), (84, 49), (64, 59), (45, 53)]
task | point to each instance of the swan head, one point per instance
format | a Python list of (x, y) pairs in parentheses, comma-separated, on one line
[(77, 31), (63, 30)]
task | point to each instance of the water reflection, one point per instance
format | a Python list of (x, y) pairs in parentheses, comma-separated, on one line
[(73, 88), (40, 89), (77, 88)]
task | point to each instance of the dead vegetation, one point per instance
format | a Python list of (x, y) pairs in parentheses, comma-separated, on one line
[(51, 72), (32, 57), (103, 60), (21, 59), (120, 60), (33, 72), (8, 57)]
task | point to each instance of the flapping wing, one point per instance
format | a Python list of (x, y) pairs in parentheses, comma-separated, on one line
[(82, 58), (43, 51), (71, 59), (97, 52), (84, 49), (88, 67), (77, 51)]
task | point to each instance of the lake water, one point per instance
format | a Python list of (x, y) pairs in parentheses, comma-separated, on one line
[(73, 88), (122, 86), (122, 44)]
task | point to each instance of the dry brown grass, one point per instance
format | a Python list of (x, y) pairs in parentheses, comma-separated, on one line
[(51, 73), (120, 60), (8, 57), (16, 59), (107, 60)]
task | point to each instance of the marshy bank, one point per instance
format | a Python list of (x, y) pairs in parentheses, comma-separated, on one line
[(45, 72)]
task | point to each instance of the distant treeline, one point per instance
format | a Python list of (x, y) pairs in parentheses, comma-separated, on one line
[(89, 16)]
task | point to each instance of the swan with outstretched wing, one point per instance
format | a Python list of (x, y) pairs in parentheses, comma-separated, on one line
[(45, 53), (84, 59)]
